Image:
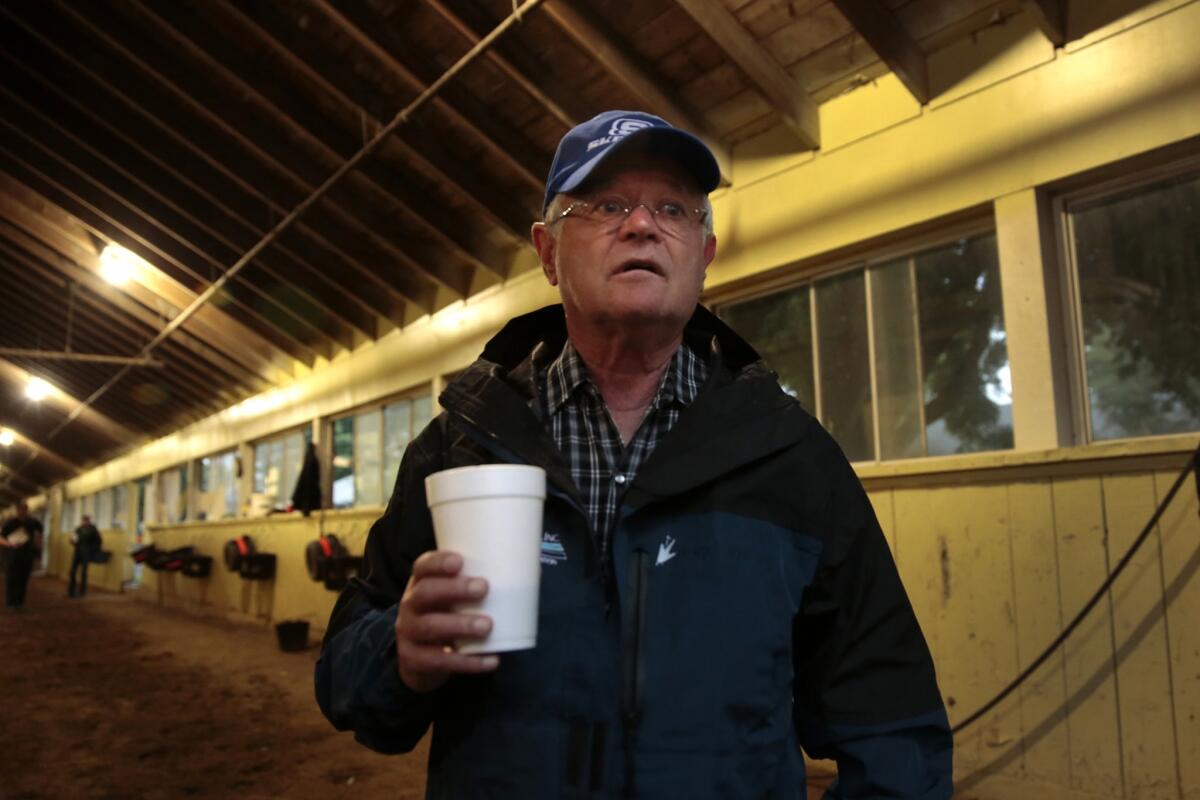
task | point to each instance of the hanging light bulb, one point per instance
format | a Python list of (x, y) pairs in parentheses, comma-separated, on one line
[(37, 389), (6, 437), (117, 265)]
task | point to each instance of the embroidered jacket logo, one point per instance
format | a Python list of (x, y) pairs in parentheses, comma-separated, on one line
[(666, 551), (552, 549), (621, 128)]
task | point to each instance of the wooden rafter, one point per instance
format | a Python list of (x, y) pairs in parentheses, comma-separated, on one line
[(91, 418), (887, 36), (798, 110), (625, 67), (515, 63), (1051, 17)]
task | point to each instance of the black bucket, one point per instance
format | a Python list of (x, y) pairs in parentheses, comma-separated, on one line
[(292, 635)]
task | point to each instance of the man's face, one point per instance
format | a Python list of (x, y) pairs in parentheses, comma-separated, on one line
[(631, 271)]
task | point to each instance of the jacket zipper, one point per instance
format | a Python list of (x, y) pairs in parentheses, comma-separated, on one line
[(635, 668)]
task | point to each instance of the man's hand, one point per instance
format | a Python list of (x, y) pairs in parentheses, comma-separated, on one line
[(426, 625)]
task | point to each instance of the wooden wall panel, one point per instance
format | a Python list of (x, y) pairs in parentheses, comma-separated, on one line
[(881, 501), (1039, 618), (1092, 728), (1180, 532), (1143, 680)]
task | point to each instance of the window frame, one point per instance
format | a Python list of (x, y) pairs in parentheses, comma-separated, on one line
[(421, 390), (280, 435), (1070, 303), (907, 245)]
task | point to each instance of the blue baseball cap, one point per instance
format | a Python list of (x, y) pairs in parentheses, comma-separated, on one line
[(585, 147)]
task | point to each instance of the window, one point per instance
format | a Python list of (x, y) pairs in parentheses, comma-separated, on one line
[(70, 515), (368, 446), (174, 483), (216, 486), (120, 505), (1135, 253), (104, 509), (899, 358), (277, 464)]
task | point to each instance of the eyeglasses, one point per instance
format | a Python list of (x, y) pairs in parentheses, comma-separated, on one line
[(672, 218)]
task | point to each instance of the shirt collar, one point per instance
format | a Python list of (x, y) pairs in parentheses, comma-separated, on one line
[(680, 382)]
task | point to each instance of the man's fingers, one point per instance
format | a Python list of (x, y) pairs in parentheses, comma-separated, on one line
[(439, 594), (441, 628), (436, 563)]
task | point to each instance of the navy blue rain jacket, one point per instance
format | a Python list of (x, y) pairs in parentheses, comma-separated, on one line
[(751, 608)]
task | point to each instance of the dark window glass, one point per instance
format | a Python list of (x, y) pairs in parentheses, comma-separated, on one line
[(779, 327), (343, 462), (964, 348), (1138, 259), (845, 379)]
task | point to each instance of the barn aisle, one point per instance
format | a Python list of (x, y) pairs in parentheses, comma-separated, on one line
[(112, 698)]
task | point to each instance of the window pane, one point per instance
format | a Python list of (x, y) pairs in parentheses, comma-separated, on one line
[(368, 459), (779, 327), (846, 406), (397, 432), (204, 479), (897, 372), (293, 460), (1137, 255), (261, 465), (104, 509), (171, 494), (422, 413), (964, 348), (228, 466), (343, 462), (120, 505)]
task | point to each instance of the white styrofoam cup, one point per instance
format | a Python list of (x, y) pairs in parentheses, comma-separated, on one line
[(491, 515)]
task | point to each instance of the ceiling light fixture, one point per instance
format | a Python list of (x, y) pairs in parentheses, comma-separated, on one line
[(118, 265), (37, 389), (6, 437)]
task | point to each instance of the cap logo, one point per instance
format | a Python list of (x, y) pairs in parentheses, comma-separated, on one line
[(620, 128)]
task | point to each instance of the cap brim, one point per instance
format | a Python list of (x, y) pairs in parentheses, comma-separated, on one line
[(669, 143)]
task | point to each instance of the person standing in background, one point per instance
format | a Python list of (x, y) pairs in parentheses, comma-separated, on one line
[(87, 543), (21, 537)]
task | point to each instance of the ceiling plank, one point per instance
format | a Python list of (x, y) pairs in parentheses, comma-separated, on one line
[(86, 202), (1051, 18), (73, 355), (798, 110), (516, 64), (625, 67), (224, 344), (105, 426), (886, 35), (193, 118), (209, 240)]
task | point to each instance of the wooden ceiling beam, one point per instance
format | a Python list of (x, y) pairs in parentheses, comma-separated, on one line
[(372, 108), (121, 110), (798, 110), (186, 387), (138, 230), (202, 354), (37, 235), (505, 143), (1051, 18), (516, 64), (84, 203), (62, 402), (887, 36), (626, 68), (330, 144), (264, 168), (206, 237)]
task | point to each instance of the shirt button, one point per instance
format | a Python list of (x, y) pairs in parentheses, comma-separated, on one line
[(619, 478)]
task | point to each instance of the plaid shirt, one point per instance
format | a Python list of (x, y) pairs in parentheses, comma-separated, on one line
[(601, 466)]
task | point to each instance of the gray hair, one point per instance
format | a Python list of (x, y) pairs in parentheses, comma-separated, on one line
[(560, 202)]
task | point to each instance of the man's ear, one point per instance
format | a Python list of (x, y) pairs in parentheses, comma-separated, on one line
[(710, 251), (546, 245)]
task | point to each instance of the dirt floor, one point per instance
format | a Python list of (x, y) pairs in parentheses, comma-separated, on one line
[(107, 697)]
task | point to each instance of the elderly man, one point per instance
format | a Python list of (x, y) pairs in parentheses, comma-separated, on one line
[(723, 595)]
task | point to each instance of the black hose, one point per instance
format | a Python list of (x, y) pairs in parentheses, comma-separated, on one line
[(1193, 466)]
